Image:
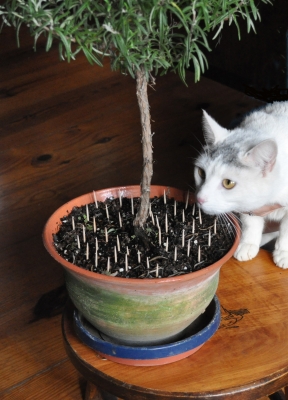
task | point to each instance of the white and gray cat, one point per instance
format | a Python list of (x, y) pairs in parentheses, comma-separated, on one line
[(245, 170)]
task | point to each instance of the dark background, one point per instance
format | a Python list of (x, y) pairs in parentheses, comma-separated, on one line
[(257, 60)]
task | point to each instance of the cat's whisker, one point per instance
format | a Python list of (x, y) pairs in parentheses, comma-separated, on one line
[(195, 148), (223, 221), (237, 218), (230, 227), (203, 147)]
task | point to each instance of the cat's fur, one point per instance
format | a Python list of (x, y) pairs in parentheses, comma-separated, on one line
[(255, 156)]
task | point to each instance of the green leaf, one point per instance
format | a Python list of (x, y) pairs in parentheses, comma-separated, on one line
[(158, 35)]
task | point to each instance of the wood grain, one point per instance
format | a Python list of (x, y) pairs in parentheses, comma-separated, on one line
[(66, 129)]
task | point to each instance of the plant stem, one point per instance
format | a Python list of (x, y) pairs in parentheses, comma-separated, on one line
[(147, 172)]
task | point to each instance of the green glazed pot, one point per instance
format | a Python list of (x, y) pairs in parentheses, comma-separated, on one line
[(136, 311)]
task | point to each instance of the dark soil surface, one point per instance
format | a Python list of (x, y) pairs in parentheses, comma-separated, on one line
[(99, 241)]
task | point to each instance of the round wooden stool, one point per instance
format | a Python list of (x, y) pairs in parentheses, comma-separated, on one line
[(247, 358)]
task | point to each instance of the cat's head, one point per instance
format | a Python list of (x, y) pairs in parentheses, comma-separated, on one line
[(233, 173)]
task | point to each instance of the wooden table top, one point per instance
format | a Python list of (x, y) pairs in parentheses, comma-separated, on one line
[(247, 357)]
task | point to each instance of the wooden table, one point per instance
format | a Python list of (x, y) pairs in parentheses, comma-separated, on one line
[(247, 358)]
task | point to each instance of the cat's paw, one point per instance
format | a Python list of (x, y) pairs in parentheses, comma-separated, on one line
[(280, 258), (246, 251)]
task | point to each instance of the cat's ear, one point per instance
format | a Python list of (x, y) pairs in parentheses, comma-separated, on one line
[(263, 155), (213, 132)]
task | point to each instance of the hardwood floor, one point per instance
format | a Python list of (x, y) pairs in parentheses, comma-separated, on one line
[(64, 131)]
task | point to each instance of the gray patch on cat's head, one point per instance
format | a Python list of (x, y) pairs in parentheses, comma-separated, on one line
[(227, 153)]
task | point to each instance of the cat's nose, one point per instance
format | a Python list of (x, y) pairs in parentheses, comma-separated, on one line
[(200, 200)]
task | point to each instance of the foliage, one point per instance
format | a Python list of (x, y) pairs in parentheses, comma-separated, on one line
[(153, 35)]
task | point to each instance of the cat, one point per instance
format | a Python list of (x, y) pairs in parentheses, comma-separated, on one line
[(245, 170)]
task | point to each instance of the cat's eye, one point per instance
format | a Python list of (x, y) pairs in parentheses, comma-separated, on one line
[(228, 184), (201, 173)]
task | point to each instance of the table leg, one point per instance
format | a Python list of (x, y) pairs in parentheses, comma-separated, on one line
[(93, 393)]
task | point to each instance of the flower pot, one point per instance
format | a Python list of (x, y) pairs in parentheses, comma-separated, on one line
[(136, 311)]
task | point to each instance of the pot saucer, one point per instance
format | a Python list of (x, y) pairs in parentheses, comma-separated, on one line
[(194, 336)]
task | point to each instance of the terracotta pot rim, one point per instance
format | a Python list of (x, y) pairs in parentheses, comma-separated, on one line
[(48, 243)]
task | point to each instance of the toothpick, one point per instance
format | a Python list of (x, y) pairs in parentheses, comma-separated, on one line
[(107, 212), (188, 247), (106, 235), (78, 242), (118, 243), (127, 251), (147, 262), (152, 217), (108, 264), (187, 200), (200, 216), (84, 234), (157, 270), (95, 199), (175, 208), (87, 212), (193, 226), (215, 227), (132, 206), (115, 254), (73, 224), (183, 215), (166, 223), (96, 258), (199, 253), (159, 236), (157, 222), (183, 238), (166, 245), (120, 198), (126, 262), (164, 196), (120, 220), (94, 224), (96, 244), (193, 210), (87, 251), (209, 238), (175, 253), (139, 256)]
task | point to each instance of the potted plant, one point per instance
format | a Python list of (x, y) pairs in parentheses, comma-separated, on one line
[(137, 311), (143, 39)]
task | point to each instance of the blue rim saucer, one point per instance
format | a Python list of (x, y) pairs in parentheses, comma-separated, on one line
[(194, 336)]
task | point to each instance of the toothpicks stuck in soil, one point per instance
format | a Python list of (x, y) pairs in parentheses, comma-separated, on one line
[(95, 199), (120, 198), (178, 243), (107, 212), (187, 200), (200, 216)]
